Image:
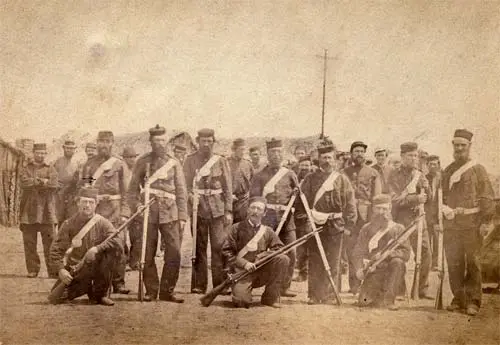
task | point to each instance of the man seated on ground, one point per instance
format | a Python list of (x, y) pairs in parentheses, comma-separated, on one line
[(85, 232), (248, 242), (380, 287)]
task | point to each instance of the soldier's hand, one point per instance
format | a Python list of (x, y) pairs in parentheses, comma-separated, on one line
[(65, 276), (422, 198), (90, 255), (182, 224), (123, 219), (437, 228), (250, 267), (360, 274), (485, 229), (228, 218)]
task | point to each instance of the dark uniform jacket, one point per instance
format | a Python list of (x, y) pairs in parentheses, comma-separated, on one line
[(384, 172), (111, 183), (404, 205), (339, 200), (66, 170), (214, 205), (282, 192), (473, 190), (164, 210), (242, 173), (95, 237), (432, 205), (366, 183), (38, 200), (362, 248), (241, 233)]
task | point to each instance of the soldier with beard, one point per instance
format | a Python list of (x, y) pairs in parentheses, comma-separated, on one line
[(381, 286), (333, 206), (468, 208), (366, 183), (106, 172), (304, 168)]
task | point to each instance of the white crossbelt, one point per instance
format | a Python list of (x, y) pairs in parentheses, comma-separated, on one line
[(106, 197), (209, 191), (450, 213), (276, 207), (161, 193)]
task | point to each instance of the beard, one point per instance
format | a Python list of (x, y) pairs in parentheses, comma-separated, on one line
[(303, 173), (359, 161), (380, 219)]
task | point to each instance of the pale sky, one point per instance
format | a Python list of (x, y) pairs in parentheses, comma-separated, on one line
[(397, 69)]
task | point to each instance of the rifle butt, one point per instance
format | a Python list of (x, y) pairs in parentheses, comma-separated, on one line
[(415, 285), (209, 297), (193, 274), (56, 292), (438, 302), (140, 288)]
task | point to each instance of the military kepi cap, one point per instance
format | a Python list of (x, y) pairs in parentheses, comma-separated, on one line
[(381, 199), (380, 149), (409, 147), (105, 135), (358, 143), (206, 133), (305, 158), (274, 143), (88, 192), (91, 146), (238, 142), (463, 133), (180, 147), (69, 144), (257, 199), (129, 151), (325, 146), (157, 130), (39, 147)]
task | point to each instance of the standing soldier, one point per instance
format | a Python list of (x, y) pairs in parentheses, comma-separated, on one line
[(242, 173), (277, 184), (333, 206), (366, 183), (301, 223), (180, 153), (257, 165), (468, 209), (215, 207), (129, 156), (432, 206), (38, 209), (409, 188), (383, 168), (167, 216), (107, 173), (66, 167)]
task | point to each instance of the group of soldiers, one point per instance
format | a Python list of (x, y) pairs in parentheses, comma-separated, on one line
[(248, 209)]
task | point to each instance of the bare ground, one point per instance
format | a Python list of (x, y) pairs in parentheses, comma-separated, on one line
[(26, 318)]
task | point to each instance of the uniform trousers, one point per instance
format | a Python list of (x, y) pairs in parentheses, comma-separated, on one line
[(30, 241)]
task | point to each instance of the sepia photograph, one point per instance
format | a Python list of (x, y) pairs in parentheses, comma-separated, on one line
[(250, 172)]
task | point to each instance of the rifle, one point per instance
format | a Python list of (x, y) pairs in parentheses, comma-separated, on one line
[(418, 255), (232, 279), (390, 247), (321, 249), (58, 289), (438, 302), (140, 290), (194, 228), (287, 212)]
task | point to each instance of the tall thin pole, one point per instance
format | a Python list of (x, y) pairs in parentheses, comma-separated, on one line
[(324, 96)]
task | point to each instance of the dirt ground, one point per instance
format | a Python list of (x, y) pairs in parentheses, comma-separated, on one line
[(26, 318)]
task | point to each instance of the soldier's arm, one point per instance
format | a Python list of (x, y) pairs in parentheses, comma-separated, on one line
[(27, 180), (274, 242), (350, 211), (398, 197), (485, 194), (403, 250), (133, 192), (256, 186), (230, 249), (189, 174), (52, 183), (124, 206), (377, 184), (59, 246), (227, 185), (180, 192)]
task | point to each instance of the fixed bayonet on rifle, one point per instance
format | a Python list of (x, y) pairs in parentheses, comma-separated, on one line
[(288, 209), (194, 228), (232, 279), (438, 303), (147, 189), (58, 289)]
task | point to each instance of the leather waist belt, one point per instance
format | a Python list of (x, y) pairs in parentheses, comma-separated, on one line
[(161, 193), (209, 191), (450, 213), (471, 210), (276, 207), (106, 197), (363, 202)]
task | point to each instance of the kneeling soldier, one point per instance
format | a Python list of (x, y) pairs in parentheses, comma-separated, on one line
[(380, 286), (248, 242), (85, 233)]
